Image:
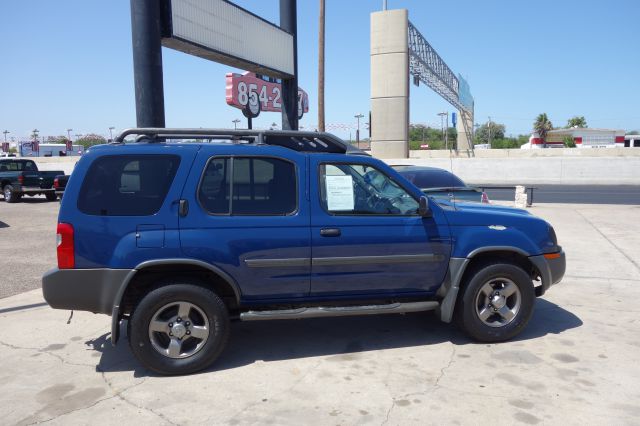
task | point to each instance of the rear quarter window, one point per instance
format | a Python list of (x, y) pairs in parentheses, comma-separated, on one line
[(127, 185)]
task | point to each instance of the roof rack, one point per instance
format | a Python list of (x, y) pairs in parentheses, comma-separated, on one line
[(293, 139)]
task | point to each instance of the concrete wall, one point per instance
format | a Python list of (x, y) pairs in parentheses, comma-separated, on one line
[(390, 84), (529, 167), (614, 166)]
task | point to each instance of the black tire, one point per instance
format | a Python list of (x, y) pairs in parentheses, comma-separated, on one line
[(467, 309), (50, 196), (178, 291), (9, 195)]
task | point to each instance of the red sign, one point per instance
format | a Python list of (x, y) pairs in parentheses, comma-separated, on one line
[(252, 94), (424, 146), (5, 146), (69, 145)]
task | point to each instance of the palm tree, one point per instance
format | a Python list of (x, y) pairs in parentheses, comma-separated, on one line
[(542, 125), (577, 121)]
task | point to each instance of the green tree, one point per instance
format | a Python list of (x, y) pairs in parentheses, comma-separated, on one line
[(577, 121), (542, 125), (495, 129), (569, 142), (56, 139), (89, 140)]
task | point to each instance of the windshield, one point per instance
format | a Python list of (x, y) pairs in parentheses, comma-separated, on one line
[(432, 178)]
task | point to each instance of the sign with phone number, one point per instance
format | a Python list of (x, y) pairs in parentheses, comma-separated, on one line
[(253, 95)]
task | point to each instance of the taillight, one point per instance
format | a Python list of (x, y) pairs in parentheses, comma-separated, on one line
[(485, 198), (56, 183), (20, 179), (64, 239)]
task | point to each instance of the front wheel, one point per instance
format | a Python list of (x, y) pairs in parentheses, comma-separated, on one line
[(497, 302), (179, 328)]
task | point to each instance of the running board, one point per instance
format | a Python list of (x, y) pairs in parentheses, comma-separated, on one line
[(338, 311)]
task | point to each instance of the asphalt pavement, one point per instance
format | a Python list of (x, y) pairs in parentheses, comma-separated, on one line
[(573, 194)]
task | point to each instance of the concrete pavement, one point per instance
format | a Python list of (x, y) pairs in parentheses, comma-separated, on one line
[(576, 363)]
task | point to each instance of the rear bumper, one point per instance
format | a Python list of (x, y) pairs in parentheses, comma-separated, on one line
[(31, 189), (551, 268), (93, 290)]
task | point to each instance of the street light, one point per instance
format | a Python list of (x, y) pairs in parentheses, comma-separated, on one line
[(358, 117), (35, 134), (444, 132), (235, 123), (111, 132)]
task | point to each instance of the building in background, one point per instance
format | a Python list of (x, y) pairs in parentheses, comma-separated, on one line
[(582, 137), (632, 141)]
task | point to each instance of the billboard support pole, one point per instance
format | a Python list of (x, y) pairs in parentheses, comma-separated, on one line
[(147, 63), (289, 23)]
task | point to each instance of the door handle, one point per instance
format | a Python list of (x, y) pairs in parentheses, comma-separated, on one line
[(183, 208), (330, 232)]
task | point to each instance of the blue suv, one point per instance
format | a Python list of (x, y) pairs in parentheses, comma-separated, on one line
[(178, 239)]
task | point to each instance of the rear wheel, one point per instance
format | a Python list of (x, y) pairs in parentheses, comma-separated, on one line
[(497, 302), (179, 328), (9, 195)]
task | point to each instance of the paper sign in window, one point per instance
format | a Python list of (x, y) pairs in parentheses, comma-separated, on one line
[(339, 193)]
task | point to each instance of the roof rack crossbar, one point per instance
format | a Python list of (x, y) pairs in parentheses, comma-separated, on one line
[(156, 134)]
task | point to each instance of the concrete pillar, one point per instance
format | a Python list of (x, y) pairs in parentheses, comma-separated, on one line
[(390, 84), (464, 144)]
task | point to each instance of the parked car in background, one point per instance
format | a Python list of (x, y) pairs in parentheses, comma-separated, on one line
[(440, 183), (20, 177), (59, 184)]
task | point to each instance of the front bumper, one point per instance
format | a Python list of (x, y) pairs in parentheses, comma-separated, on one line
[(552, 267), (93, 290)]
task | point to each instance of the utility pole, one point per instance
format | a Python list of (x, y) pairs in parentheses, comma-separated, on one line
[(235, 123), (69, 133), (446, 132), (489, 128), (5, 134), (321, 69), (358, 116), (442, 114)]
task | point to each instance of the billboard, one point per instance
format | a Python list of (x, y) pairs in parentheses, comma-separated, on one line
[(5, 146), (29, 149), (464, 93), (220, 31), (253, 93)]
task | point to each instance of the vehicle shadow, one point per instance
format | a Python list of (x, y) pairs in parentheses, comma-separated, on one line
[(34, 200), (3, 225), (281, 340)]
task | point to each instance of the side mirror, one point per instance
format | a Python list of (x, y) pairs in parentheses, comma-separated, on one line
[(423, 209)]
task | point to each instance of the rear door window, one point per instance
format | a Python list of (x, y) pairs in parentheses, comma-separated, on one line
[(260, 186), (127, 185)]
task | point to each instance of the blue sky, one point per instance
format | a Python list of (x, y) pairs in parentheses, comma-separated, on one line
[(68, 64)]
